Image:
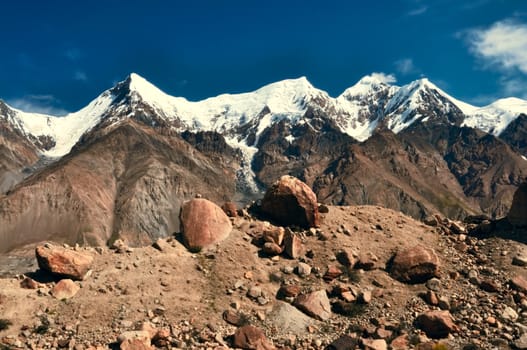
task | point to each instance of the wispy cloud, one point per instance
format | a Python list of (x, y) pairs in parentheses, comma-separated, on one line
[(405, 66), (502, 47), (80, 76), (45, 104), (418, 11), (383, 77)]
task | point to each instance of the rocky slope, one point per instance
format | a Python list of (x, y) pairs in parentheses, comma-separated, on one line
[(202, 300)]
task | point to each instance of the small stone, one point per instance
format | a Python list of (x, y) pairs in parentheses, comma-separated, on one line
[(436, 324), (519, 283), (434, 284), (489, 286), (365, 262), (374, 344), (232, 317), (315, 304), (303, 269), (519, 260), (289, 291), (431, 298), (509, 314), (346, 257), (293, 246), (254, 292), (271, 248), (251, 337), (29, 283), (365, 297), (65, 289), (332, 273)]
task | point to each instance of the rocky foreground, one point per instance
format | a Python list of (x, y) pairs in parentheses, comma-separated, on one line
[(367, 278)]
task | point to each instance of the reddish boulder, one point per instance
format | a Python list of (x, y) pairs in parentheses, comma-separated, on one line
[(518, 213), (63, 262), (436, 324), (315, 304), (65, 289), (251, 337), (289, 201), (415, 265), (519, 283), (203, 223), (230, 209)]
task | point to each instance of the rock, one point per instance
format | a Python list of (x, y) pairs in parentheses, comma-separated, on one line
[(162, 245), (374, 344), (232, 317), (141, 336), (315, 304), (271, 248), (434, 284), (365, 297), (203, 223), (519, 260), (323, 209), (332, 272), (345, 342), (254, 292), (287, 318), (274, 235), (365, 262), (289, 291), (415, 265), (65, 289), (346, 257), (251, 337), (135, 344), (29, 283), (509, 314), (489, 286), (436, 324), (289, 201), (63, 262), (292, 245), (303, 269), (457, 228), (444, 303), (431, 298), (518, 212), (521, 342), (519, 283), (431, 221), (400, 343), (229, 208)]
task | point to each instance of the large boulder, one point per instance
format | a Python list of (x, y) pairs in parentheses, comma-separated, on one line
[(518, 212), (436, 324), (289, 201), (415, 265), (203, 223), (63, 262)]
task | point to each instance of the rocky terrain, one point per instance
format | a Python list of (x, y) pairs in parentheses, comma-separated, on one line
[(343, 277)]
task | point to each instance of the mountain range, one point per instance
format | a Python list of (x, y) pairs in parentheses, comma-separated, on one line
[(122, 166)]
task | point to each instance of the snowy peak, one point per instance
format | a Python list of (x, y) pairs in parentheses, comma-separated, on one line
[(495, 117)]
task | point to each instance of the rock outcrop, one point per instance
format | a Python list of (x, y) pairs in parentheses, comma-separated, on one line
[(203, 223), (289, 201), (63, 262)]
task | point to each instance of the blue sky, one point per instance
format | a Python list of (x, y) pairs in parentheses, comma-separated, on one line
[(57, 56)]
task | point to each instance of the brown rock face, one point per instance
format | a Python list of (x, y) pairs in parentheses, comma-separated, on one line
[(65, 289), (315, 304), (203, 223), (250, 337), (518, 212), (289, 201), (63, 262), (436, 324), (415, 265)]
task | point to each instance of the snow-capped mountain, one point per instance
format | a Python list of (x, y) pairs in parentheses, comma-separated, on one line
[(370, 104)]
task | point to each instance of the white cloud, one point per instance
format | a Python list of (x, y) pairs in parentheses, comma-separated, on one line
[(405, 66), (45, 104), (418, 11), (383, 77), (80, 75), (503, 45)]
